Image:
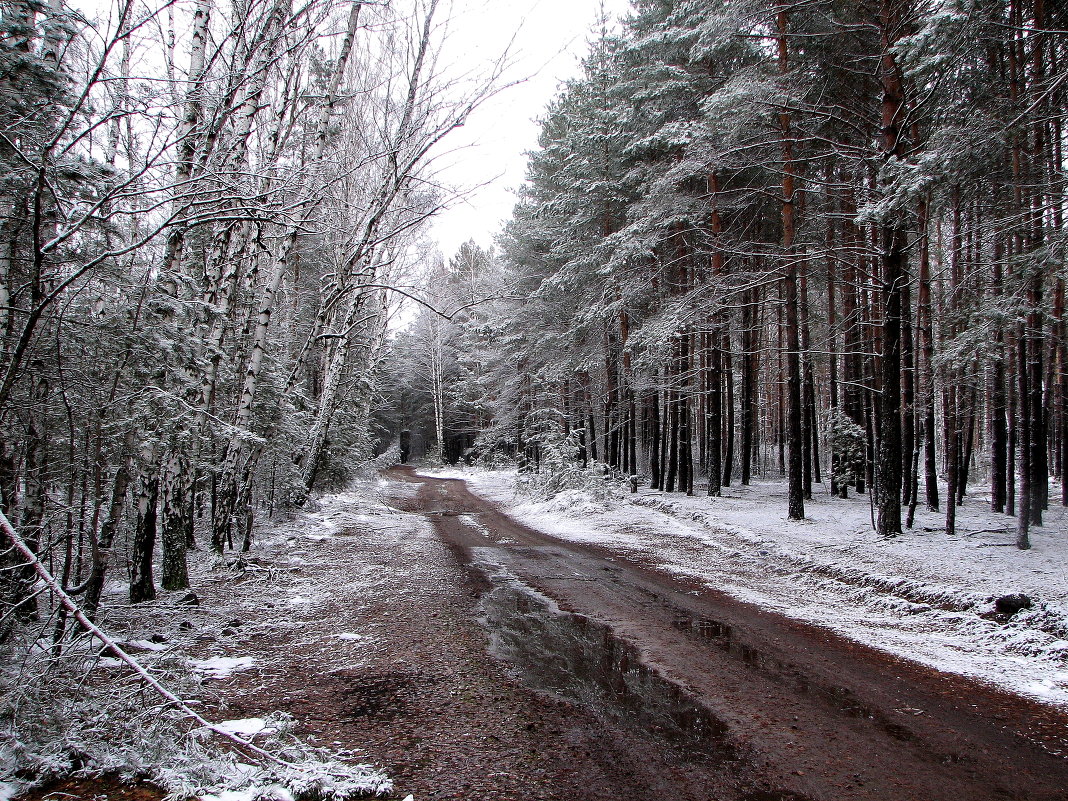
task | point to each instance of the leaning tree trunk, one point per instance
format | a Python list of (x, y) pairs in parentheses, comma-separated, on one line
[(187, 137), (402, 157), (238, 458), (102, 544), (329, 396), (221, 279)]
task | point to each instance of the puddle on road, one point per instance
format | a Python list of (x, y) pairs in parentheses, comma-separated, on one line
[(582, 661), (722, 635)]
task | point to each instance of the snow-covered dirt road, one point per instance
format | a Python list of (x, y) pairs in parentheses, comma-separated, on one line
[(759, 705)]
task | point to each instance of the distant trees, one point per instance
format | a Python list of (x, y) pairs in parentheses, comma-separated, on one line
[(767, 236), (434, 379)]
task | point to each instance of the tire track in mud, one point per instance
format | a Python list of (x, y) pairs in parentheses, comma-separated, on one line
[(762, 707)]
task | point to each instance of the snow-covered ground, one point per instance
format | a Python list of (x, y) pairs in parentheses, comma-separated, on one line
[(924, 595), (250, 615)]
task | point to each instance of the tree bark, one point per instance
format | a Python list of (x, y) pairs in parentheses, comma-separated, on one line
[(142, 587), (893, 258), (174, 574), (795, 478), (728, 434), (102, 543), (750, 372), (925, 324)]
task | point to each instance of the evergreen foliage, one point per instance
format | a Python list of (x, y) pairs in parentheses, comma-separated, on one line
[(831, 232)]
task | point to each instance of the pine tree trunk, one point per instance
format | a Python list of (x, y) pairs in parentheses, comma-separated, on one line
[(908, 393), (925, 323), (952, 423), (1011, 418), (997, 408), (1062, 389), (1023, 517), (796, 503), (780, 384), (714, 352), (728, 430), (654, 449), (632, 468), (968, 443), (953, 390), (1024, 430), (591, 425), (685, 437), (894, 257), (808, 397), (750, 368), (1040, 411), (1036, 424), (832, 348), (889, 520), (791, 265), (673, 441), (714, 417), (665, 435), (852, 343), (913, 491)]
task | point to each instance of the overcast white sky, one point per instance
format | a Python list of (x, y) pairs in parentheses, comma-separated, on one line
[(550, 38)]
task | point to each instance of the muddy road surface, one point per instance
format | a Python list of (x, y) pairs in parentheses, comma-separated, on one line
[(702, 696)]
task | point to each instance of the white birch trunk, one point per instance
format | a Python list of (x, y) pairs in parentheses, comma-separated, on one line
[(402, 158), (236, 448), (186, 139)]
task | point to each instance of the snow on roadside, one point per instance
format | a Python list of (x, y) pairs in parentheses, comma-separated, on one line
[(253, 794), (924, 595), (222, 667), (245, 727)]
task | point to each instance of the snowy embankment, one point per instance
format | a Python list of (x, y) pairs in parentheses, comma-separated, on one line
[(924, 595)]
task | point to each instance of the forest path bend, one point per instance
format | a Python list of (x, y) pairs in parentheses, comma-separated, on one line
[(773, 707)]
